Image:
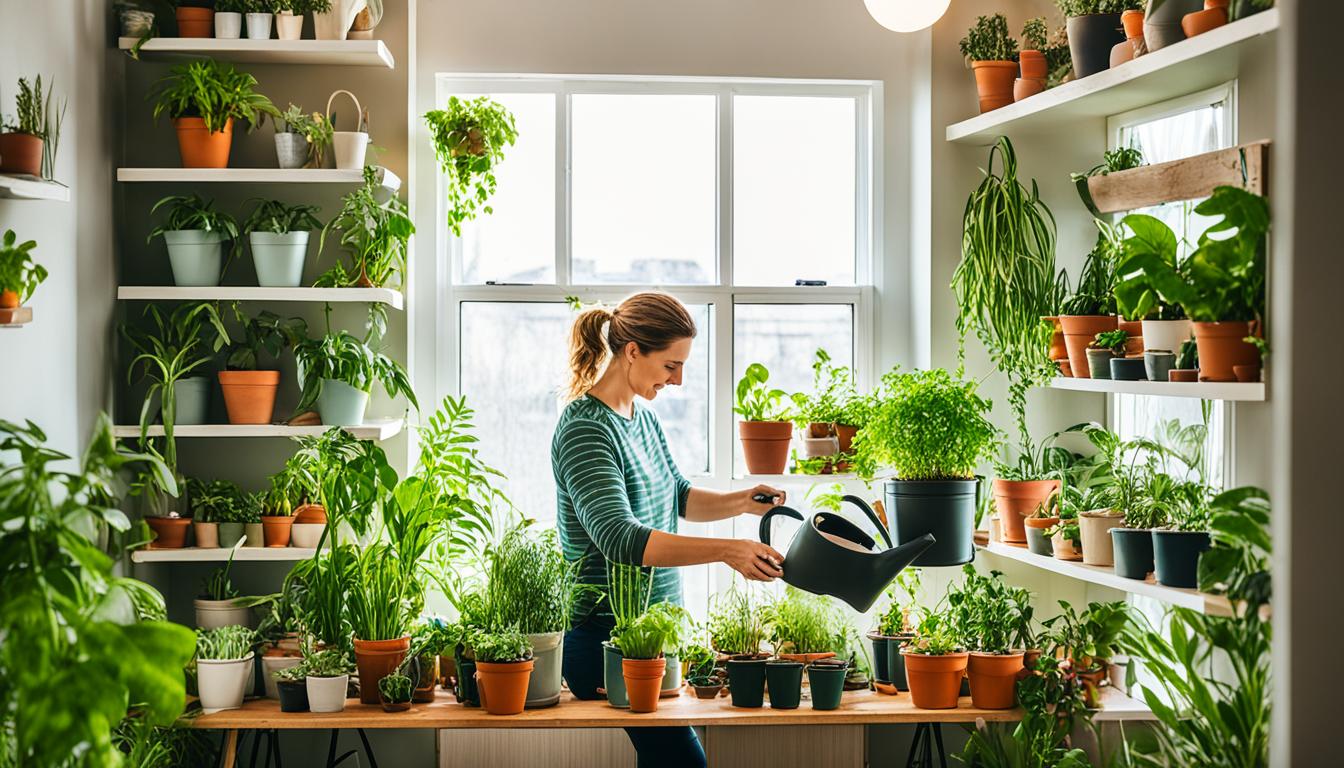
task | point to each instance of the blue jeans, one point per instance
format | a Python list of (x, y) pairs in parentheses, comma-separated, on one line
[(655, 747)]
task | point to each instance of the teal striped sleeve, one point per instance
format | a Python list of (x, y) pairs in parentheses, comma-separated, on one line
[(590, 467), (683, 485)]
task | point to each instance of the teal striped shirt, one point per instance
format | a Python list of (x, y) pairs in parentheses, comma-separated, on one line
[(615, 483)]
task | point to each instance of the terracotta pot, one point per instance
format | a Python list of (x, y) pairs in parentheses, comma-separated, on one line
[(377, 659), (1065, 369), (1120, 53), (994, 83), (818, 430), (1033, 65), (1183, 375), (1221, 347), (195, 22), (1079, 331), (806, 658), (935, 681), (249, 396), (1247, 374), (1133, 23), (201, 148), (1016, 500), (9, 299), (1091, 680), (169, 532), (311, 513), (275, 529), (845, 434), (1025, 89), (765, 445), (994, 679), (1213, 16), (1058, 351), (20, 153), (1095, 529), (503, 686), (207, 534), (643, 682), (1064, 549)]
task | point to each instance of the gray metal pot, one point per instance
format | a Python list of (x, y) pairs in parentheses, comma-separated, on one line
[(291, 150)]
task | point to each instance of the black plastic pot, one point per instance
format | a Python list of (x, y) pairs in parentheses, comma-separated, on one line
[(828, 684), (881, 670), (1133, 552), (785, 681), (293, 695), (1127, 369), (746, 682), (943, 508), (896, 662), (1176, 555), (1091, 39), (466, 691)]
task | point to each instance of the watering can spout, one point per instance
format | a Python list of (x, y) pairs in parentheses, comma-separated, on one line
[(893, 561)]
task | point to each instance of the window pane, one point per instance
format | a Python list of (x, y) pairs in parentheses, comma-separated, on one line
[(783, 338), (644, 189), (516, 243), (514, 362), (793, 214)]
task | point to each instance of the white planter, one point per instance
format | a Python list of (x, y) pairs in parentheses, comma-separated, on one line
[(288, 26), (272, 664), (336, 23), (279, 258), (1166, 334), (1094, 530), (213, 614), (258, 26), (350, 147), (196, 256), (306, 535), (327, 694), (543, 687), (228, 26), (222, 684)]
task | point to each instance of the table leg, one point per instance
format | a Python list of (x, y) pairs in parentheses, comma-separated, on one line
[(368, 750), (922, 748), (230, 748), (256, 747)]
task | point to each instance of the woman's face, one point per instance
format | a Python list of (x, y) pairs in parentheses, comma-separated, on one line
[(649, 373)]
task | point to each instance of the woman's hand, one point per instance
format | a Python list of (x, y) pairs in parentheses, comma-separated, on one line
[(752, 559), (751, 505)]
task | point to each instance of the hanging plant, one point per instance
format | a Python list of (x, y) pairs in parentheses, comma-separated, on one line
[(469, 138)]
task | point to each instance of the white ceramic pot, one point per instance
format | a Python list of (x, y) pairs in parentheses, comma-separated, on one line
[(1094, 529), (327, 694), (350, 148), (272, 664), (306, 535), (196, 257), (255, 534), (1166, 334), (817, 447), (213, 614), (228, 26), (672, 677), (288, 26), (543, 687), (336, 23), (222, 684), (258, 26), (279, 258)]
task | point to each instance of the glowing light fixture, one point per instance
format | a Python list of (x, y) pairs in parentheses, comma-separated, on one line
[(907, 15)]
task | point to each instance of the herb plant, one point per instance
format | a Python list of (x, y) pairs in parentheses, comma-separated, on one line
[(656, 631), (396, 688), (532, 586), (1092, 637), (343, 357), (902, 613), (832, 388), (217, 501), (18, 272), (755, 401), (985, 612), (502, 646), (469, 138), (1112, 340), (989, 40), (1035, 34), (800, 622), (224, 643), (214, 91), (266, 332), (280, 218), (736, 625), (331, 662), (315, 128), (376, 235), (936, 636)]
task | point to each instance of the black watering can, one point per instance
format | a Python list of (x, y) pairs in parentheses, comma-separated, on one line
[(832, 556)]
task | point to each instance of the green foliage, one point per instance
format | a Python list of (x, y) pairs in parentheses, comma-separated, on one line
[(699, 660), (315, 128), (18, 272), (433, 636), (376, 235), (988, 614), (989, 40), (396, 689), (936, 635), (1095, 292), (1150, 243), (300, 7), (384, 594), (193, 212), (658, 630), (800, 622), (218, 585), (350, 478), (1052, 700), (345, 358), (501, 646), (927, 426), (322, 583), (755, 401), (1238, 563), (1112, 340), (224, 643), (902, 613), (469, 137), (1087, 7), (1035, 34), (331, 662), (142, 744), (211, 90), (279, 217), (832, 389), (265, 331), (735, 622), (1188, 356), (1058, 58), (1092, 637), (532, 586), (1048, 462)]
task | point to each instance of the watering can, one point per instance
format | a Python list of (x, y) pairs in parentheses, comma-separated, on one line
[(832, 556)]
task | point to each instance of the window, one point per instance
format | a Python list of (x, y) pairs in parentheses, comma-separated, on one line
[(722, 192)]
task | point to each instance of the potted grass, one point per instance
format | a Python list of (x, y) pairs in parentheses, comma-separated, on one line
[(628, 592), (229, 19), (195, 233), (935, 663), (802, 626), (644, 641), (301, 138), (932, 429), (223, 666), (1094, 29), (375, 233), (249, 392), (469, 137), (203, 98), (895, 628), (1089, 640), (19, 274), (378, 599), (22, 142), (326, 677), (219, 603), (992, 53), (503, 667), (278, 234), (764, 427), (338, 371), (989, 619)]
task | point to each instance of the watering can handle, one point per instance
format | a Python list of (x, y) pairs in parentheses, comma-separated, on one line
[(359, 110), (765, 521), (867, 510)]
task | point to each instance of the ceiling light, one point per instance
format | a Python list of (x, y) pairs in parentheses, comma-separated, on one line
[(907, 15)]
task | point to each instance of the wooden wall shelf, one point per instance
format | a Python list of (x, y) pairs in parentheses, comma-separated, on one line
[(1190, 178)]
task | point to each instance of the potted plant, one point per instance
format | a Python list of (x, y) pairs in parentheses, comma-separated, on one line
[(289, 16), (697, 659), (935, 663), (736, 624), (259, 18), (1094, 29), (249, 393), (291, 685), (992, 53), (203, 98), (229, 18), (896, 627), (295, 485), (1066, 541), (349, 147), (277, 518), (301, 138), (764, 428), (22, 142), (249, 513), (223, 666), (802, 626), (195, 18), (204, 523), (1030, 488), (327, 676), (380, 598), (643, 641), (19, 274), (1089, 640), (338, 371), (932, 429), (278, 234), (1035, 68), (503, 666), (819, 412), (431, 639), (1162, 21), (195, 233), (218, 604), (1104, 347), (332, 18), (376, 235), (1137, 294), (989, 618), (469, 138), (394, 693), (1090, 309), (1178, 546)]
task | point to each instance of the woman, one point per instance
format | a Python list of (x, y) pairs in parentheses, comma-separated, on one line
[(620, 494)]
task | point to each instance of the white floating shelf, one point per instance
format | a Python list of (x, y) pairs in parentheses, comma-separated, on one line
[(374, 429), (32, 188), (355, 53), (1117, 707), (220, 554), (1213, 605), (253, 293), (1205, 390), (1186, 67), (388, 179), (845, 477)]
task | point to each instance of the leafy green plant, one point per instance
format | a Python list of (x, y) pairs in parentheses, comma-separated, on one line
[(1095, 292), (375, 234), (1053, 700), (265, 331), (1035, 34), (193, 212), (1058, 58), (218, 585), (501, 646), (928, 425), (213, 91), (989, 40), (1238, 563), (331, 662), (832, 388), (295, 674), (469, 137), (350, 478), (658, 630), (986, 611), (280, 217), (343, 357), (395, 689), (315, 128), (1088, 7), (1112, 340), (902, 612), (1150, 241), (532, 586), (1188, 357), (1092, 637), (800, 622), (322, 584), (224, 643), (757, 402), (936, 636), (300, 7), (699, 660), (384, 594), (18, 272), (736, 624)]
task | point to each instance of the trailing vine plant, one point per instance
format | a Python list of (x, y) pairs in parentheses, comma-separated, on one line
[(469, 137)]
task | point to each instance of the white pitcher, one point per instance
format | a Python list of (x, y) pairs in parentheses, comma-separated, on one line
[(334, 24)]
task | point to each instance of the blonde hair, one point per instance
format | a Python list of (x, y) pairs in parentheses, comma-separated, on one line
[(653, 321)]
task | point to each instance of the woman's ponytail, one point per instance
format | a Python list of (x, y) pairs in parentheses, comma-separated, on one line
[(651, 320), (587, 350)]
